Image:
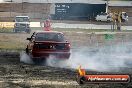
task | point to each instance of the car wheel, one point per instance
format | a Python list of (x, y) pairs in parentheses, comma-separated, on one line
[(123, 20), (108, 21), (28, 31), (15, 31)]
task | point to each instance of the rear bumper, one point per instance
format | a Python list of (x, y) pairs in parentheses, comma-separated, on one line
[(58, 55)]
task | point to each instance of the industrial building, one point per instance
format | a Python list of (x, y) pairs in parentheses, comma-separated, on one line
[(57, 9)]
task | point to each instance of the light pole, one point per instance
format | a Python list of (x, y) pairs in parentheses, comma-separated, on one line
[(10, 6), (107, 6), (22, 6)]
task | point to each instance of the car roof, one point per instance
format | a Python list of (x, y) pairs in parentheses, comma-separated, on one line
[(48, 32)]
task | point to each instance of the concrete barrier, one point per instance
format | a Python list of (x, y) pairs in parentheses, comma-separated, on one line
[(6, 24), (65, 25)]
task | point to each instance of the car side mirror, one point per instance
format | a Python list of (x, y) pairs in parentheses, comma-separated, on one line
[(29, 39)]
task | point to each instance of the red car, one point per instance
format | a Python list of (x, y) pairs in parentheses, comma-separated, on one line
[(43, 44)]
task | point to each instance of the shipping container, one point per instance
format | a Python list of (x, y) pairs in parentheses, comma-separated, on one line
[(77, 11)]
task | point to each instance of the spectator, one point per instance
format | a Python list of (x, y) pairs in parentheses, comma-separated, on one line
[(47, 25)]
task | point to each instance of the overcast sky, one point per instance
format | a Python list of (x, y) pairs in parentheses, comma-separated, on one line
[(41, 1), (48, 0), (1, 0), (115, 3)]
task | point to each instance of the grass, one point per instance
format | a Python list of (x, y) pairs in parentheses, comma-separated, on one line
[(6, 30), (10, 30), (12, 41), (17, 41), (82, 30)]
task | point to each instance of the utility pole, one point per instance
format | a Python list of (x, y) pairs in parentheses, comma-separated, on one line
[(10, 6), (22, 6), (107, 6)]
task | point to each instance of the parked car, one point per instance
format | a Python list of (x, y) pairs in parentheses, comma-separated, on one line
[(108, 17), (103, 17), (22, 24), (43, 44)]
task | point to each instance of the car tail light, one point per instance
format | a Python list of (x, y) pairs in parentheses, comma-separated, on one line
[(68, 46)]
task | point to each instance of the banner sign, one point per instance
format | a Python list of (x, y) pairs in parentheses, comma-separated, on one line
[(7, 24)]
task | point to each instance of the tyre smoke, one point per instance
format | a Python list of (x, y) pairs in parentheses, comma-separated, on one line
[(107, 58), (55, 62), (25, 58)]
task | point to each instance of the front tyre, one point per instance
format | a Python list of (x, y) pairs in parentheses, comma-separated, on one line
[(28, 31), (15, 30)]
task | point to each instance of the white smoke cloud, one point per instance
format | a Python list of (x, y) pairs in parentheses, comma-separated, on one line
[(25, 58), (107, 58)]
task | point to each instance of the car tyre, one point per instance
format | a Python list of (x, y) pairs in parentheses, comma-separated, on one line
[(14, 30), (28, 31)]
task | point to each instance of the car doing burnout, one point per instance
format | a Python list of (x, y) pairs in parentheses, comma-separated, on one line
[(44, 44)]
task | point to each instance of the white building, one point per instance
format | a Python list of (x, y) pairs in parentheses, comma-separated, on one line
[(111, 3)]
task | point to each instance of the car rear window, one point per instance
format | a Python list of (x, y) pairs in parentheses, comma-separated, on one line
[(58, 37)]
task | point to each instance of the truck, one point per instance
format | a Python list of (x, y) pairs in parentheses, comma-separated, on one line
[(22, 23), (124, 17), (103, 17), (108, 16)]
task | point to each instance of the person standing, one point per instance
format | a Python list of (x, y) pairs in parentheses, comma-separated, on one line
[(47, 25)]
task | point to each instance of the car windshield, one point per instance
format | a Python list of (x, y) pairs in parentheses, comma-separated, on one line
[(22, 19), (58, 37)]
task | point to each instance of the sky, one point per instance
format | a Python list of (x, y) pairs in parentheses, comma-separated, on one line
[(1, 1), (74, 1)]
